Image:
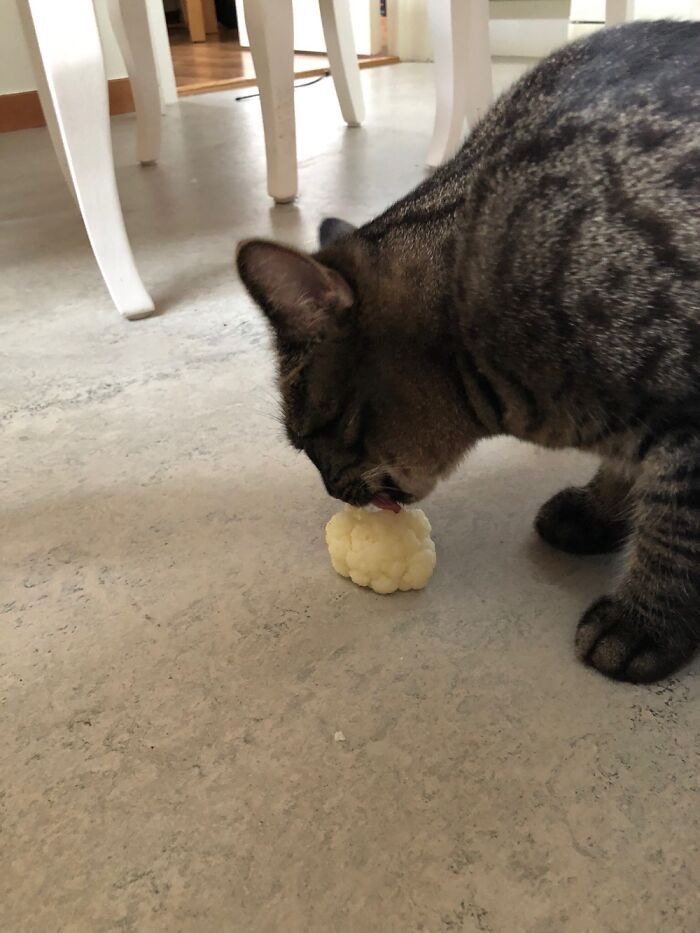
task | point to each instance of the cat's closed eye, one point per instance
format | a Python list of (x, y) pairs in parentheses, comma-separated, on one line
[(356, 426), (323, 426)]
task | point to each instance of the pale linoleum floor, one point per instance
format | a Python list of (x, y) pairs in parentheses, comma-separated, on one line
[(177, 653)]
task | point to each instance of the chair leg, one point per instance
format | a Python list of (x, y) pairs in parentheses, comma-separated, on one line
[(161, 51), (130, 22), (618, 11), (44, 93), (271, 37), (463, 82), (71, 54), (340, 44)]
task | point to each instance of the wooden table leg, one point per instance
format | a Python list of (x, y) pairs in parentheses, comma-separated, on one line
[(194, 14), (211, 23)]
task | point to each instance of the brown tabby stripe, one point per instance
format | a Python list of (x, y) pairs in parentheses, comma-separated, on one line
[(525, 395), (686, 174), (656, 232), (488, 394), (452, 370)]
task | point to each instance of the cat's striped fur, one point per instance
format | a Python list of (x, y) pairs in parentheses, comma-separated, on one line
[(545, 283)]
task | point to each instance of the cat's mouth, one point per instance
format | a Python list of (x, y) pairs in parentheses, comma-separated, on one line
[(386, 495), (391, 499), (386, 502)]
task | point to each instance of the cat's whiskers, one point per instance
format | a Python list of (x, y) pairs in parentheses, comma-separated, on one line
[(374, 475)]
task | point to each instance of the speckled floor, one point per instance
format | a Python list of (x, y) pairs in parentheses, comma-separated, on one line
[(177, 654)]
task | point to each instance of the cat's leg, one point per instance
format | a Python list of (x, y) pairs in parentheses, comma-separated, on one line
[(590, 519), (651, 625)]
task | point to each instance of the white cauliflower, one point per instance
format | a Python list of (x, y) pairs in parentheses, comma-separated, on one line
[(382, 550)]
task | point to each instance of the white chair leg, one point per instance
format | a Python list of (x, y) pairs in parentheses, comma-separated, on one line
[(271, 37), (44, 93), (618, 11), (161, 50), (463, 82), (69, 45), (340, 44), (130, 22)]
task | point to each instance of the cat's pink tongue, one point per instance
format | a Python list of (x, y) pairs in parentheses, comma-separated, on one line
[(382, 501)]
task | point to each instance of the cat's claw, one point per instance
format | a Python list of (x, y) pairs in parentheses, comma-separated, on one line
[(612, 639)]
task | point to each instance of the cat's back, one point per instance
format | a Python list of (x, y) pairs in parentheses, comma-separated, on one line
[(652, 63), (577, 195), (581, 216), (630, 93)]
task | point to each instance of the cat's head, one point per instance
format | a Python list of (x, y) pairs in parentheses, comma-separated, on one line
[(371, 407)]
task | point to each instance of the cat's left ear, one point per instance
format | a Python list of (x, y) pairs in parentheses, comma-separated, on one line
[(332, 229), (301, 297)]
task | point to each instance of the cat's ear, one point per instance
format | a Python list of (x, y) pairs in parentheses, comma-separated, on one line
[(332, 229), (302, 298)]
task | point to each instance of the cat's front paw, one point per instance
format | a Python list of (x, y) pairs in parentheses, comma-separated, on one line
[(611, 638), (569, 521)]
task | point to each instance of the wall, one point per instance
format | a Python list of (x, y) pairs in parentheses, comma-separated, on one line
[(518, 28), (594, 10), (524, 28), (15, 67), (308, 32), (673, 9)]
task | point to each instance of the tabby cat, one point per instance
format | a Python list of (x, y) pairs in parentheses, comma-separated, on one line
[(545, 284)]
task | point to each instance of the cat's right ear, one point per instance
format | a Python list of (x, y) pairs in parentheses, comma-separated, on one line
[(301, 298)]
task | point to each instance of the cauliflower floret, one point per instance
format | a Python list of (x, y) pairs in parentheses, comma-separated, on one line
[(381, 550)]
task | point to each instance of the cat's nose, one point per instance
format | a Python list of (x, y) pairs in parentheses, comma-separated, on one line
[(355, 492), (394, 491)]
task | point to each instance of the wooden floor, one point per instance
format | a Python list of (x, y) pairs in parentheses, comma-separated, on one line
[(221, 63)]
